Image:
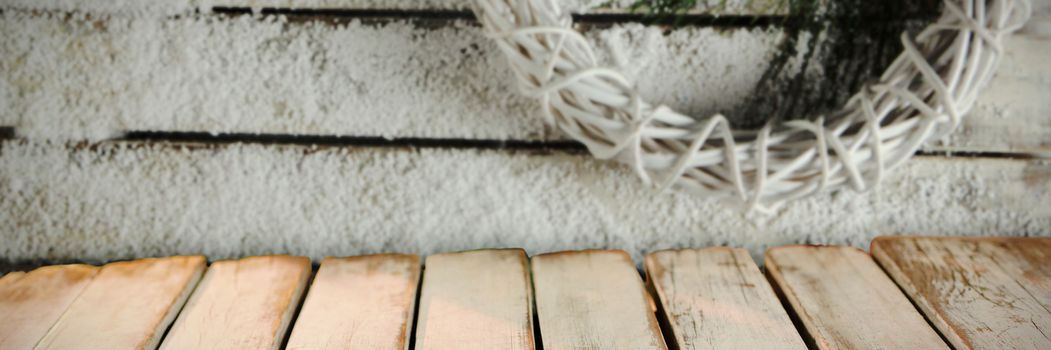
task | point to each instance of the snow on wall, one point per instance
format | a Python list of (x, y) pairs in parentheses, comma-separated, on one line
[(115, 201), (173, 7), (81, 78)]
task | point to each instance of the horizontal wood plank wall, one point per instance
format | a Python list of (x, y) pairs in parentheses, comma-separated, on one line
[(235, 200), (31, 302), (716, 298), (985, 293), (593, 299), (242, 304), (731, 7), (361, 302), (480, 299), (128, 305), (845, 301), (350, 81)]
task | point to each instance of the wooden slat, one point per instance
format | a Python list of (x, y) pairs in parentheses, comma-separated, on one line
[(716, 298), (845, 301), (981, 293), (30, 303), (11, 277), (153, 7), (593, 300), (127, 306), (360, 200), (242, 304), (476, 300), (362, 302), (210, 75)]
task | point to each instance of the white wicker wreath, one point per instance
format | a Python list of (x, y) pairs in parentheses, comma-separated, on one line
[(921, 96)]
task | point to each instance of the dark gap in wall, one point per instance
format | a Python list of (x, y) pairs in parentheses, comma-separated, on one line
[(7, 132), (874, 18), (565, 146), (351, 141)]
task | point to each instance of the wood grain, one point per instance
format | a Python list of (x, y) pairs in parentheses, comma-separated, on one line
[(30, 303), (716, 298), (242, 304), (362, 302), (593, 300), (845, 301), (478, 299), (981, 293), (452, 62), (357, 200), (127, 306)]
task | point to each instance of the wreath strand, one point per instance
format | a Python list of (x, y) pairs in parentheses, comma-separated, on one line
[(923, 95)]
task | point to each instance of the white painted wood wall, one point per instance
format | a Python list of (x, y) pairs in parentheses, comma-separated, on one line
[(424, 144)]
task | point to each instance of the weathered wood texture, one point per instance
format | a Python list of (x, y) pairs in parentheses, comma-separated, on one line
[(593, 300), (339, 80), (728, 7), (845, 301), (235, 200), (716, 298), (30, 303), (476, 300), (981, 293), (362, 302), (242, 304), (128, 305)]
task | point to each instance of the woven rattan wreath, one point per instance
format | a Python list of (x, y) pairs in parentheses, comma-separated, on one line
[(921, 96)]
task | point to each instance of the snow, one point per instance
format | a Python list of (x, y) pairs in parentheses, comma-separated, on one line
[(175, 7), (115, 201), (78, 78)]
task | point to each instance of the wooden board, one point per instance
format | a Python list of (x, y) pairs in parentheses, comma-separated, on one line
[(478, 299), (359, 78), (845, 301), (362, 302), (593, 300), (127, 306), (359, 200), (981, 293), (724, 7), (242, 304), (716, 298), (30, 303)]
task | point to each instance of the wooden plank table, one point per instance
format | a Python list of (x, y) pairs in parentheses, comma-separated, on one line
[(593, 300), (362, 302), (30, 303), (981, 293), (127, 306), (476, 300), (716, 298), (242, 304), (845, 301)]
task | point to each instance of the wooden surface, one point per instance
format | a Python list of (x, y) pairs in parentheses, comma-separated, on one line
[(981, 293), (128, 305), (75, 79), (476, 300), (716, 298), (363, 302), (845, 301), (593, 300), (242, 304), (30, 303), (358, 200), (452, 62)]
